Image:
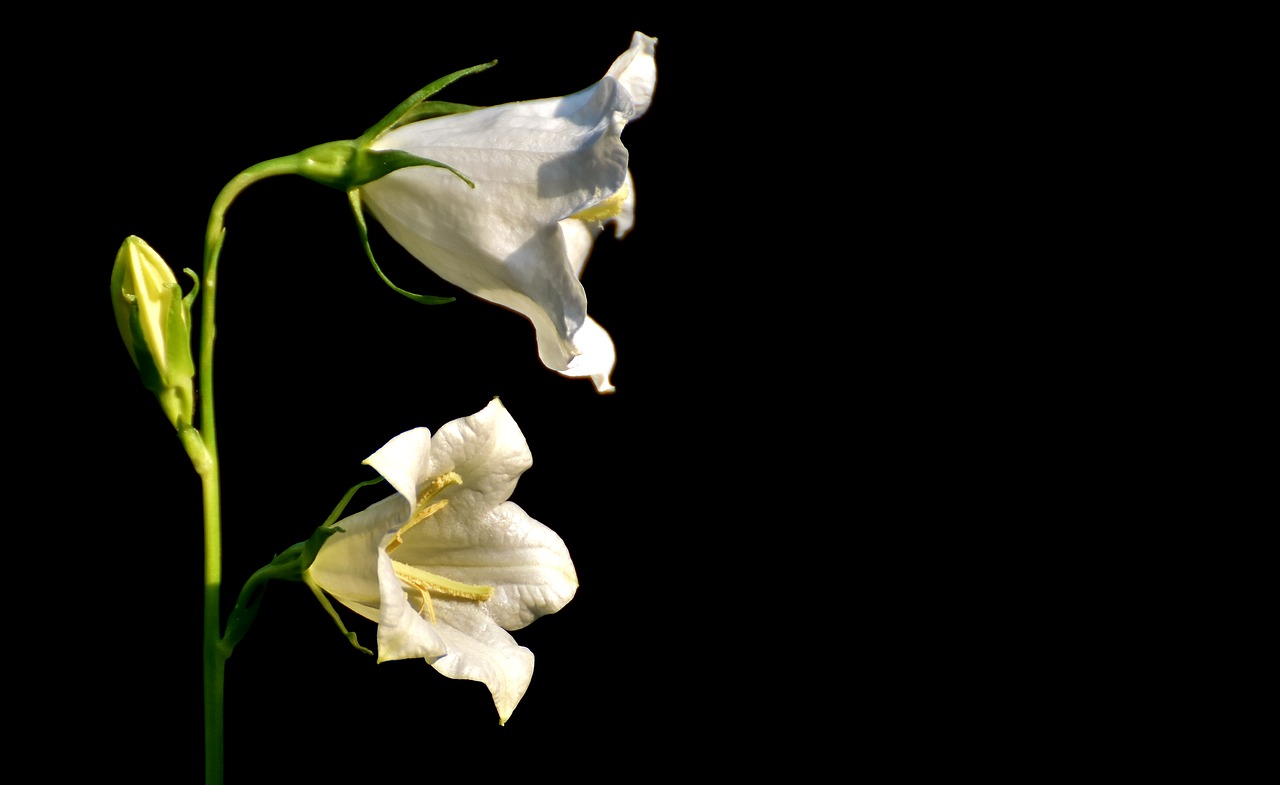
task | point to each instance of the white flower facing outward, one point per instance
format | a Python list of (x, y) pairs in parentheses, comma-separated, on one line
[(548, 174), (448, 565)]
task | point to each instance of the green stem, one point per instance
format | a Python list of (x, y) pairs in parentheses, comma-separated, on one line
[(204, 454)]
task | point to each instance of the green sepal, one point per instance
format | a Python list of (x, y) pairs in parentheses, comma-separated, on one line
[(291, 565), (285, 566), (333, 614), (342, 505), (370, 165), (408, 109), (180, 361), (357, 209), (349, 164), (429, 109), (190, 299)]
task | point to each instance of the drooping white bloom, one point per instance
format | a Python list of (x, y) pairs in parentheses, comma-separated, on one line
[(448, 565), (548, 174)]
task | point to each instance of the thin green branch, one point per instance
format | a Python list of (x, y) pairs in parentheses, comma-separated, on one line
[(207, 468)]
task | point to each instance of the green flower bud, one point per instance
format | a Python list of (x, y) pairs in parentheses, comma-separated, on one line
[(155, 323)]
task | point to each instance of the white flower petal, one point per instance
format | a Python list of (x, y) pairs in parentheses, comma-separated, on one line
[(488, 450), (500, 241), (404, 462), (480, 650), (637, 71), (597, 355), (578, 238), (345, 567), (473, 567), (534, 164), (526, 563), (402, 631)]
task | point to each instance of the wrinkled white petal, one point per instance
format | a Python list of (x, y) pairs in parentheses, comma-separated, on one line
[(596, 359), (488, 450), (535, 164), (578, 237), (480, 650), (637, 71), (402, 631), (526, 563), (501, 241), (404, 462)]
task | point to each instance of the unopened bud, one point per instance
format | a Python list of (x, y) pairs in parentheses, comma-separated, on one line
[(155, 323)]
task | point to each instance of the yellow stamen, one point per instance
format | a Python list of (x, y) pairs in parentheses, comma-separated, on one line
[(425, 597), (437, 485), (609, 208), (428, 582), (425, 510)]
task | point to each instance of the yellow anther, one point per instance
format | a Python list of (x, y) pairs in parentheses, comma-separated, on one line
[(428, 583), (425, 510), (603, 211), (418, 517), (437, 485)]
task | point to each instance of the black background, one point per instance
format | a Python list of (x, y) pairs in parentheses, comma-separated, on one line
[(809, 526), (655, 488)]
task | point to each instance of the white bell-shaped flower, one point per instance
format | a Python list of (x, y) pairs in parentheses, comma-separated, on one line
[(549, 175), (448, 565)]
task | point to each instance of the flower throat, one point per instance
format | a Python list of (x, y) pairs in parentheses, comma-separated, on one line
[(428, 583)]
